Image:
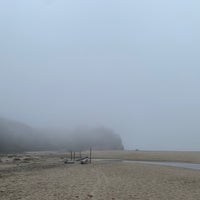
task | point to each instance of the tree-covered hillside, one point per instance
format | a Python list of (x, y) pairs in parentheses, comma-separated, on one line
[(18, 137)]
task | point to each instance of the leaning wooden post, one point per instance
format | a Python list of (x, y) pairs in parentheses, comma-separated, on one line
[(90, 155)]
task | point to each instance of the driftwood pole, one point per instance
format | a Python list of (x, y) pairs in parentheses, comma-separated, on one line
[(71, 154), (80, 154), (90, 155), (74, 155)]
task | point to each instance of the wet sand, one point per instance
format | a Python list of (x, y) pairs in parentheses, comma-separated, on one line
[(46, 177)]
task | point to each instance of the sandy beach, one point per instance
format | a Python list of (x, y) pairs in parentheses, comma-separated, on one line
[(44, 176), (168, 156)]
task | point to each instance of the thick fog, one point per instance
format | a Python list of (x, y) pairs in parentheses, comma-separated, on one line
[(19, 137), (132, 66)]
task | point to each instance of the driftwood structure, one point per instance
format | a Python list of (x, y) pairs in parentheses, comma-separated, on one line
[(82, 160)]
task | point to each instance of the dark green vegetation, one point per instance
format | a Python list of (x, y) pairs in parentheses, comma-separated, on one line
[(18, 137)]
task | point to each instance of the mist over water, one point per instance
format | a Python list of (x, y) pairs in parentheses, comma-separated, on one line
[(129, 66)]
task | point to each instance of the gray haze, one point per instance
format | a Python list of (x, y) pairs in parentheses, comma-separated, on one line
[(133, 66)]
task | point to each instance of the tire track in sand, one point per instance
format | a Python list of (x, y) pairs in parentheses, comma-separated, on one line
[(99, 189)]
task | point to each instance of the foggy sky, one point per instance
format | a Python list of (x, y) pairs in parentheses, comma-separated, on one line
[(133, 66)]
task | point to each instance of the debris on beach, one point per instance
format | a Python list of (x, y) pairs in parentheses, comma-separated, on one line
[(83, 160), (69, 161), (17, 159)]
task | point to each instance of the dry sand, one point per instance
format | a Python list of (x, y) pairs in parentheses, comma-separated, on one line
[(46, 177), (175, 156)]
